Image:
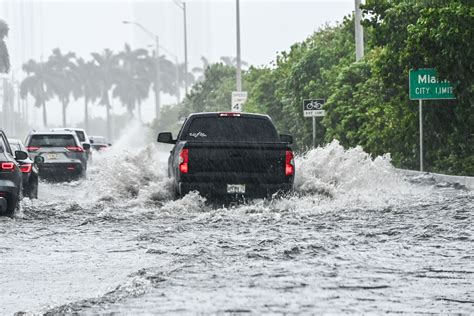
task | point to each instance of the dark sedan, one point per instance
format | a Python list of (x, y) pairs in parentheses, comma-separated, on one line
[(10, 177), (29, 169)]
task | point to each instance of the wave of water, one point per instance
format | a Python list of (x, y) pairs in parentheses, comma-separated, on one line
[(329, 175), (353, 224)]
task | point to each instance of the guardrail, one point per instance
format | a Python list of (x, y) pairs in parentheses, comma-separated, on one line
[(468, 182)]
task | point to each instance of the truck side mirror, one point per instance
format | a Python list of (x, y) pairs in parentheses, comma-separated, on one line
[(166, 138), (286, 138), (86, 146)]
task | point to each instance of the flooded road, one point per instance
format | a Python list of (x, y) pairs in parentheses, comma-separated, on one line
[(356, 237)]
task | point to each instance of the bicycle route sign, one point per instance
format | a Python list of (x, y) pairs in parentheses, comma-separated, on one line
[(313, 107)]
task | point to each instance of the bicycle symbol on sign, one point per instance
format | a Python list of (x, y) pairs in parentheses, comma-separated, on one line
[(314, 105)]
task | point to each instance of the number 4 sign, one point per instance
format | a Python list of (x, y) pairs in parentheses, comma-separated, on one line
[(238, 100)]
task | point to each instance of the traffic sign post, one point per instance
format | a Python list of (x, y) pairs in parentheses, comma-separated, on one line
[(425, 85), (313, 108), (238, 100)]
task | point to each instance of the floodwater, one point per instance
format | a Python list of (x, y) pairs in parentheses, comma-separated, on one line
[(355, 237)]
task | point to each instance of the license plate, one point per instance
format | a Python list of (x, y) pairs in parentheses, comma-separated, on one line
[(52, 156), (236, 188)]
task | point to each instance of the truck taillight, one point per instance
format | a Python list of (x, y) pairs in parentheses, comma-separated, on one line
[(26, 168), (229, 114), (184, 160), (7, 166), (289, 163)]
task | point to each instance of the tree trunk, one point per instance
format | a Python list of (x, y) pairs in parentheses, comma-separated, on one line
[(5, 117), (45, 118), (139, 108), (86, 113), (64, 113), (109, 132), (130, 112)]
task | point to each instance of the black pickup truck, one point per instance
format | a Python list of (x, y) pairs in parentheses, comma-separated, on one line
[(230, 154)]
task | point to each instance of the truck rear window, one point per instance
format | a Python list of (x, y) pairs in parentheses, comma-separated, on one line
[(52, 141), (233, 129)]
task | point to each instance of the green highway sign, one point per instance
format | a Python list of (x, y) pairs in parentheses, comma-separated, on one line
[(424, 85)]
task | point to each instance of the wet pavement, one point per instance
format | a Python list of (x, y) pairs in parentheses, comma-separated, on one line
[(355, 237)]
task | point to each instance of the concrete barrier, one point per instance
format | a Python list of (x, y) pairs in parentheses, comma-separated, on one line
[(468, 182)]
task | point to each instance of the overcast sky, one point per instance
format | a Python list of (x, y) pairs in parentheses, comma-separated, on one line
[(267, 27)]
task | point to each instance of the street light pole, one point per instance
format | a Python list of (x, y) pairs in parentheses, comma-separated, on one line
[(359, 32), (238, 72), (182, 6), (185, 50)]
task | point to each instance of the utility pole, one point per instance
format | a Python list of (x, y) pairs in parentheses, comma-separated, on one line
[(359, 32), (239, 72)]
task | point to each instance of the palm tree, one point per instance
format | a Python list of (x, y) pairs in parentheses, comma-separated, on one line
[(167, 74), (232, 61), (4, 56), (88, 87), (201, 71), (4, 68), (65, 79), (182, 74), (132, 83), (169, 77), (107, 70), (36, 83)]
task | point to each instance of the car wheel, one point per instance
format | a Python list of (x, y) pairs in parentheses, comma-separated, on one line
[(26, 190), (13, 206), (177, 195)]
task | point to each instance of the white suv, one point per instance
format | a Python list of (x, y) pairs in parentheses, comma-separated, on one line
[(81, 134)]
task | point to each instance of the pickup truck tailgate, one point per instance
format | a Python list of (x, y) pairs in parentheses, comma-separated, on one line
[(264, 159)]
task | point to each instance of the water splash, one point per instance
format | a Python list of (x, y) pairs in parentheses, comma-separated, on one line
[(325, 177), (349, 175)]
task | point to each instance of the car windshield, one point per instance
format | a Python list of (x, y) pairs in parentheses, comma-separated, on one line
[(233, 129), (52, 141), (15, 146)]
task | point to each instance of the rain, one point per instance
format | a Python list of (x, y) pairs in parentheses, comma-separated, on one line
[(373, 223)]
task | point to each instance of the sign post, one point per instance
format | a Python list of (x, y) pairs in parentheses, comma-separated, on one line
[(238, 100), (420, 110), (425, 85), (313, 108)]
